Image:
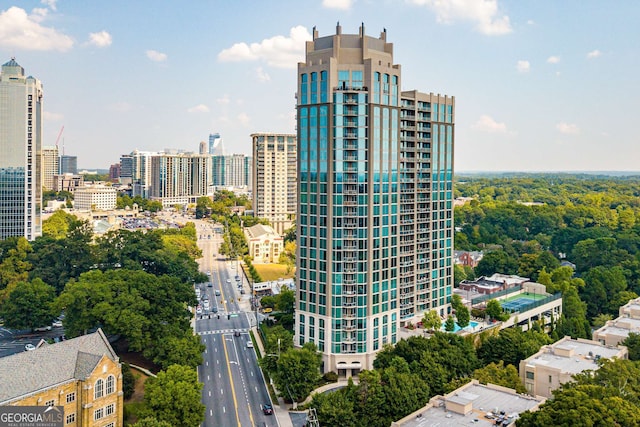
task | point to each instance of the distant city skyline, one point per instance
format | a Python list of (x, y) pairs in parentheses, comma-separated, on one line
[(539, 87)]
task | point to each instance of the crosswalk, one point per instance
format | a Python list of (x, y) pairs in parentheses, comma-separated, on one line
[(222, 331)]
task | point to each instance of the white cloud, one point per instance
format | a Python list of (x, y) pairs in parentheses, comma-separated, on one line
[(18, 30), (54, 117), (483, 12), (531, 22), (50, 3), (101, 39), (488, 124), (278, 51), (337, 4), (200, 108), (225, 100), (156, 56), (243, 119), (594, 54), (567, 128), (553, 59), (523, 66), (262, 75)]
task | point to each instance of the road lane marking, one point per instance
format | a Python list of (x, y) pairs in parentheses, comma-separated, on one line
[(233, 392), (208, 379)]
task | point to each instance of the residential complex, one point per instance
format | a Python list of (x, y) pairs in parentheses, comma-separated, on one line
[(555, 364), (375, 214), (83, 375), (617, 330), (473, 404), (274, 179), (179, 178), (231, 171), (20, 153)]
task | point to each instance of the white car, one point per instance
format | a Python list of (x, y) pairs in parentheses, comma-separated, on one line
[(29, 347), (206, 304), (57, 324), (199, 310), (43, 328)]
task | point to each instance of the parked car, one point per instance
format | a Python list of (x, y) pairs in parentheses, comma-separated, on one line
[(57, 324), (29, 347), (43, 328), (267, 409)]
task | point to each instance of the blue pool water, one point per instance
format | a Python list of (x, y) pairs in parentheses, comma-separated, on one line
[(471, 326)]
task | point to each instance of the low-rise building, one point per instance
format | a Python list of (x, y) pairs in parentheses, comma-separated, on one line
[(265, 245), (83, 375), (618, 330), (473, 404), (488, 285), (467, 258), (67, 182), (557, 363), (95, 198)]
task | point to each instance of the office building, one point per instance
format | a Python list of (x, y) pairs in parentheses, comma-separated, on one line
[(69, 164), (275, 179), (50, 166), (375, 218), (114, 172), (20, 153), (179, 178), (83, 375), (126, 169), (67, 182), (216, 148), (557, 363), (203, 148), (95, 198)]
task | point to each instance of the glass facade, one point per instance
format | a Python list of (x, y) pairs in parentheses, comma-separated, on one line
[(20, 153), (365, 225)]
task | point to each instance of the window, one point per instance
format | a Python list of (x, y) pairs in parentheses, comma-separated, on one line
[(50, 403), (110, 409), (98, 413), (529, 375), (99, 389), (71, 418), (111, 384), (71, 397), (550, 379), (110, 425)]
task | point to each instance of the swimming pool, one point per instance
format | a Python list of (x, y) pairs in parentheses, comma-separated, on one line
[(472, 325)]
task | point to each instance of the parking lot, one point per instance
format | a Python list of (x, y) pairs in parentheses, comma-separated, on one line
[(12, 342)]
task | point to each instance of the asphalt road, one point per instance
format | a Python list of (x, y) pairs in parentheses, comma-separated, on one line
[(234, 388)]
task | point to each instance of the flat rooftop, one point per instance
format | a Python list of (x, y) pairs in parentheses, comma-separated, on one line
[(486, 402), (583, 358), (622, 326)]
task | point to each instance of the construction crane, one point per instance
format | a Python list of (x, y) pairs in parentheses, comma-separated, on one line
[(59, 135)]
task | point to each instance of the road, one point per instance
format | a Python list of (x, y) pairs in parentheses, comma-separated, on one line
[(234, 388)]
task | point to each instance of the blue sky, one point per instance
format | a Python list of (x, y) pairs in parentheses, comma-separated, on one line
[(539, 85)]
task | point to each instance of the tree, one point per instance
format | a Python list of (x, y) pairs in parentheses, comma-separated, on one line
[(497, 262), (335, 409), (497, 373), (57, 225), (431, 320), (462, 316), (29, 305), (298, 372), (449, 324), (128, 381), (494, 310), (183, 350), (286, 300), (632, 342), (151, 422), (511, 345), (174, 397), (14, 265)]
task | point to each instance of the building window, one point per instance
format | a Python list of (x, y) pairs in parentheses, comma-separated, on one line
[(71, 397), (111, 380), (98, 414), (71, 418), (110, 409), (99, 389), (110, 425), (50, 403), (529, 375)]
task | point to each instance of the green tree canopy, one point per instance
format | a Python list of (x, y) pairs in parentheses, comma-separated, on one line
[(29, 305)]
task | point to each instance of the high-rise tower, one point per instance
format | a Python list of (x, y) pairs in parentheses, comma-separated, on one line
[(374, 214), (20, 153), (274, 178)]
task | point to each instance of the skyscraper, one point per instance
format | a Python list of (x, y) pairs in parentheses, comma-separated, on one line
[(231, 171), (374, 220), (50, 166), (274, 186), (20, 153), (69, 164)]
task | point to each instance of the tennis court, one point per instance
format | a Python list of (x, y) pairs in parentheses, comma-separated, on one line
[(520, 302)]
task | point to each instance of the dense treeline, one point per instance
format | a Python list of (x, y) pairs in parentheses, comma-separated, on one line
[(593, 222), (134, 284)]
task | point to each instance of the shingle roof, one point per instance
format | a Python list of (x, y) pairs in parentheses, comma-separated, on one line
[(49, 365)]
